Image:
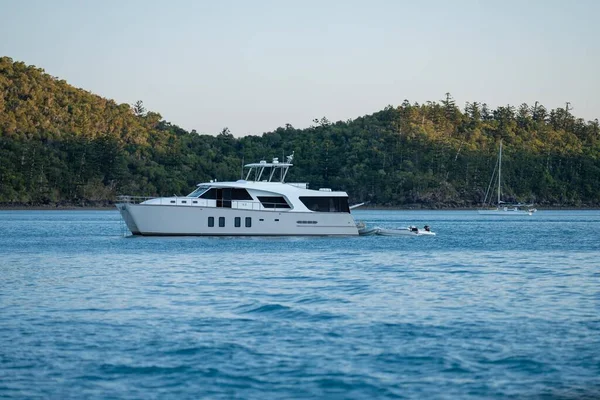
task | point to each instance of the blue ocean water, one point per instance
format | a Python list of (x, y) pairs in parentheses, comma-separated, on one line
[(489, 308)]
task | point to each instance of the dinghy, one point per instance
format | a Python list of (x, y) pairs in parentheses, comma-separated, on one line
[(364, 230), (409, 231)]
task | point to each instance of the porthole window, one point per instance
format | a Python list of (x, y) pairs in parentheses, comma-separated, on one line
[(248, 222), (211, 222), (221, 222), (237, 222)]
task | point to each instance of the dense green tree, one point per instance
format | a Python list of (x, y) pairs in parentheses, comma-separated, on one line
[(139, 109), (63, 145)]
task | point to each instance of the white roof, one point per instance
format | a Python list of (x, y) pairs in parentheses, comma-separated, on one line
[(274, 187)]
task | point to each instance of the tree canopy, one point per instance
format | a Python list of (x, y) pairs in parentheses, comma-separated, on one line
[(63, 145)]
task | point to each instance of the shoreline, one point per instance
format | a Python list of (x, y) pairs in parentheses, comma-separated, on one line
[(58, 209), (366, 208)]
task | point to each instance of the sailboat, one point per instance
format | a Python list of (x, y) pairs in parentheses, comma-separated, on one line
[(503, 208)]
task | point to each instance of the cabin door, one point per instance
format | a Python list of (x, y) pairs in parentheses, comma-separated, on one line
[(227, 198), (224, 198)]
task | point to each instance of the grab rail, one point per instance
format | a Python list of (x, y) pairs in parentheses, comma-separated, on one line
[(134, 199)]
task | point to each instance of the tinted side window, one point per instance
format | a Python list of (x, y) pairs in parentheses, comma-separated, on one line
[(210, 194), (211, 222), (248, 222), (221, 222), (237, 222), (326, 204), (273, 202), (240, 194)]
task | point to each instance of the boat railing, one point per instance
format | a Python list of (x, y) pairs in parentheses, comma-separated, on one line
[(193, 202), (255, 205), (135, 199)]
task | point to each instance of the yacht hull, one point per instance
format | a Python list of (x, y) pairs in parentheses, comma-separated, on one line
[(161, 220)]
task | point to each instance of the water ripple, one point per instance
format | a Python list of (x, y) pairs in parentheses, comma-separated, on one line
[(486, 309)]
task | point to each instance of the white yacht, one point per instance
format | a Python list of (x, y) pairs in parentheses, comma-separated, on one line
[(260, 205)]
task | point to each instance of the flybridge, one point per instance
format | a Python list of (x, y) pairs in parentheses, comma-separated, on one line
[(276, 170)]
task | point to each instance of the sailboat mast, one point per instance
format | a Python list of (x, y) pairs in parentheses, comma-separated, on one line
[(499, 172)]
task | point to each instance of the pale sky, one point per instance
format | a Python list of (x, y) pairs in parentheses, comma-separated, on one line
[(256, 65)]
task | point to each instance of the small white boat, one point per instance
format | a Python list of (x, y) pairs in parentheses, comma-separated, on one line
[(364, 230), (408, 231), (509, 210)]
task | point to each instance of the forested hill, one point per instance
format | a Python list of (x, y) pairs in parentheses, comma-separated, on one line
[(65, 146)]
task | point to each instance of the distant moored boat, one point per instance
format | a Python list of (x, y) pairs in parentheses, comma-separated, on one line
[(503, 208)]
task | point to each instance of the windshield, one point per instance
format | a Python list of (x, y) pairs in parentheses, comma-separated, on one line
[(198, 192)]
